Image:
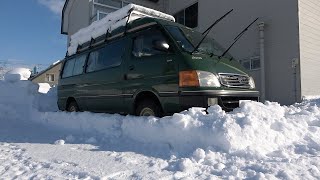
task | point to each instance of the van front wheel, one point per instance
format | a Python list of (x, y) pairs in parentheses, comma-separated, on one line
[(73, 107), (148, 108)]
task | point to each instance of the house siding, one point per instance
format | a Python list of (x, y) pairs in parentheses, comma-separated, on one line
[(281, 38), (309, 25), (79, 16)]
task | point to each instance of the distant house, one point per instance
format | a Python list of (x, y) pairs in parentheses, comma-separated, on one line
[(49, 75)]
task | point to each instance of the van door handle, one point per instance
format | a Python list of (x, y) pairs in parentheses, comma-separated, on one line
[(131, 67)]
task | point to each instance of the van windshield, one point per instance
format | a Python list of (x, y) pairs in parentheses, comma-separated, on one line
[(188, 39)]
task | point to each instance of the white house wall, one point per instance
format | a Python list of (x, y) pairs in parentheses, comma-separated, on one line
[(309, 16), (281, 37), (79, 16)]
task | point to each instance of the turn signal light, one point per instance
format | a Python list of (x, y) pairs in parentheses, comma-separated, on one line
[(188, 79)]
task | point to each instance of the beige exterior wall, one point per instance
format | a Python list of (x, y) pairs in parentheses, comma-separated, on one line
[(42, 77), (309, 15), (281, 38)]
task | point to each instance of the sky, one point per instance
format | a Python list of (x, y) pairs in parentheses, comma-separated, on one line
[(30, 31)]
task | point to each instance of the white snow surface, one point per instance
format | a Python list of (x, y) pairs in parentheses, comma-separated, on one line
[(111, 22), (255, 141), (17, 74)]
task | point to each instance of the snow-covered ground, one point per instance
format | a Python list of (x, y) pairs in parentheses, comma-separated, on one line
[(255, 141)]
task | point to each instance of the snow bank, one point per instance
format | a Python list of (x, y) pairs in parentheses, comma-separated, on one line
[(17, 74), (111, 22), (44, 87), (259, 141), (254, 128)]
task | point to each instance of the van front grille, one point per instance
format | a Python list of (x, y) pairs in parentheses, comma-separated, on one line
[(234, 80)]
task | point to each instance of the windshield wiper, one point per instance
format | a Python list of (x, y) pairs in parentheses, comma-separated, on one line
[(206, 32), (236, 39)]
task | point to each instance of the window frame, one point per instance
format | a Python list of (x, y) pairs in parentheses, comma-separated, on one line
[(99, 48), (75, 58), (184, 14), (164, 33), (49, 74), (95, 14), (250, 60)]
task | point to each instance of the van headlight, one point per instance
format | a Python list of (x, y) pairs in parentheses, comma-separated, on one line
[(207, 79), (251, 83), (195, 78)]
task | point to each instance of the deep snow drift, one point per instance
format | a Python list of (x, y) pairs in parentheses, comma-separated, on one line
[(254, 141)]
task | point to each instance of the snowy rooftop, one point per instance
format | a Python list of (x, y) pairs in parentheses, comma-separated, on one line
[(111, 22)]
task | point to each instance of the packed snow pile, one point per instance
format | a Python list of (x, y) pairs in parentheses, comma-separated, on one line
[(17, 74), (111, 22), (258, 141)]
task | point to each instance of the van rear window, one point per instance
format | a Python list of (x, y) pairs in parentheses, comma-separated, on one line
[(68, 68), (74, 66)]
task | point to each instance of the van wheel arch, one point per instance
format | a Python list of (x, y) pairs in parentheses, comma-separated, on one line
[(147, 96), (69, 101)]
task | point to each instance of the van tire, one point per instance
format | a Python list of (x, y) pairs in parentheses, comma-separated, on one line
[(148, 108), (73, 107)]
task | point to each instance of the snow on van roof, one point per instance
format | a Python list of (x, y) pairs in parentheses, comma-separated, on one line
[(111, 22)]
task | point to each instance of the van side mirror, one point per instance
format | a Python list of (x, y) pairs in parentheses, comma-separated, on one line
[(161, 45)]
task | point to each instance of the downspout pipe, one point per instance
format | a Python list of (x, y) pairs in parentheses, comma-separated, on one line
[(261, 26)]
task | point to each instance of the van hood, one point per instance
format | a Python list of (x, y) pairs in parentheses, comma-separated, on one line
[(213, 64)]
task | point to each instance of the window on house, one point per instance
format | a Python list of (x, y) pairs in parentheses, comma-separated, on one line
[(101, 8), (101, 15), (188, 16), (255, 63), (251, 63), (50, 77)]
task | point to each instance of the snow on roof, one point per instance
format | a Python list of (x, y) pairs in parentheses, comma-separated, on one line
[(111, 22), (56, 62)]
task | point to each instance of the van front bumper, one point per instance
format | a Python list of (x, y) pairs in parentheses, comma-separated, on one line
[(227, 99)]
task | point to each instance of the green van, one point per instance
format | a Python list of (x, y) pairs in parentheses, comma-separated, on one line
[(150, 67)]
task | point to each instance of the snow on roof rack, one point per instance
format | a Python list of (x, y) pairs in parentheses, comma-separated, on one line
[(111, 22)]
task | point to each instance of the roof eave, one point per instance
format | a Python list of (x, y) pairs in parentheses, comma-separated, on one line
[(62, 17)]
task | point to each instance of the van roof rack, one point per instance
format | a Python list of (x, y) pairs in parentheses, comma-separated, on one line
[(87, 37)]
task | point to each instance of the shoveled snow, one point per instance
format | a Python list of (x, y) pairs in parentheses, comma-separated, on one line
[(111, 22), (17, 74), (44, 88), (255, 141)]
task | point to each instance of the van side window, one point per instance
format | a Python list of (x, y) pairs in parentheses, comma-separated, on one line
[(68, 68), (74, 66), (143, 44), (108, 56), (79, 64)]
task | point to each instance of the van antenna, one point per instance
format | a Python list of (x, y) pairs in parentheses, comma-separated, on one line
[(217, 21), (206, 32), (237, 38)]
